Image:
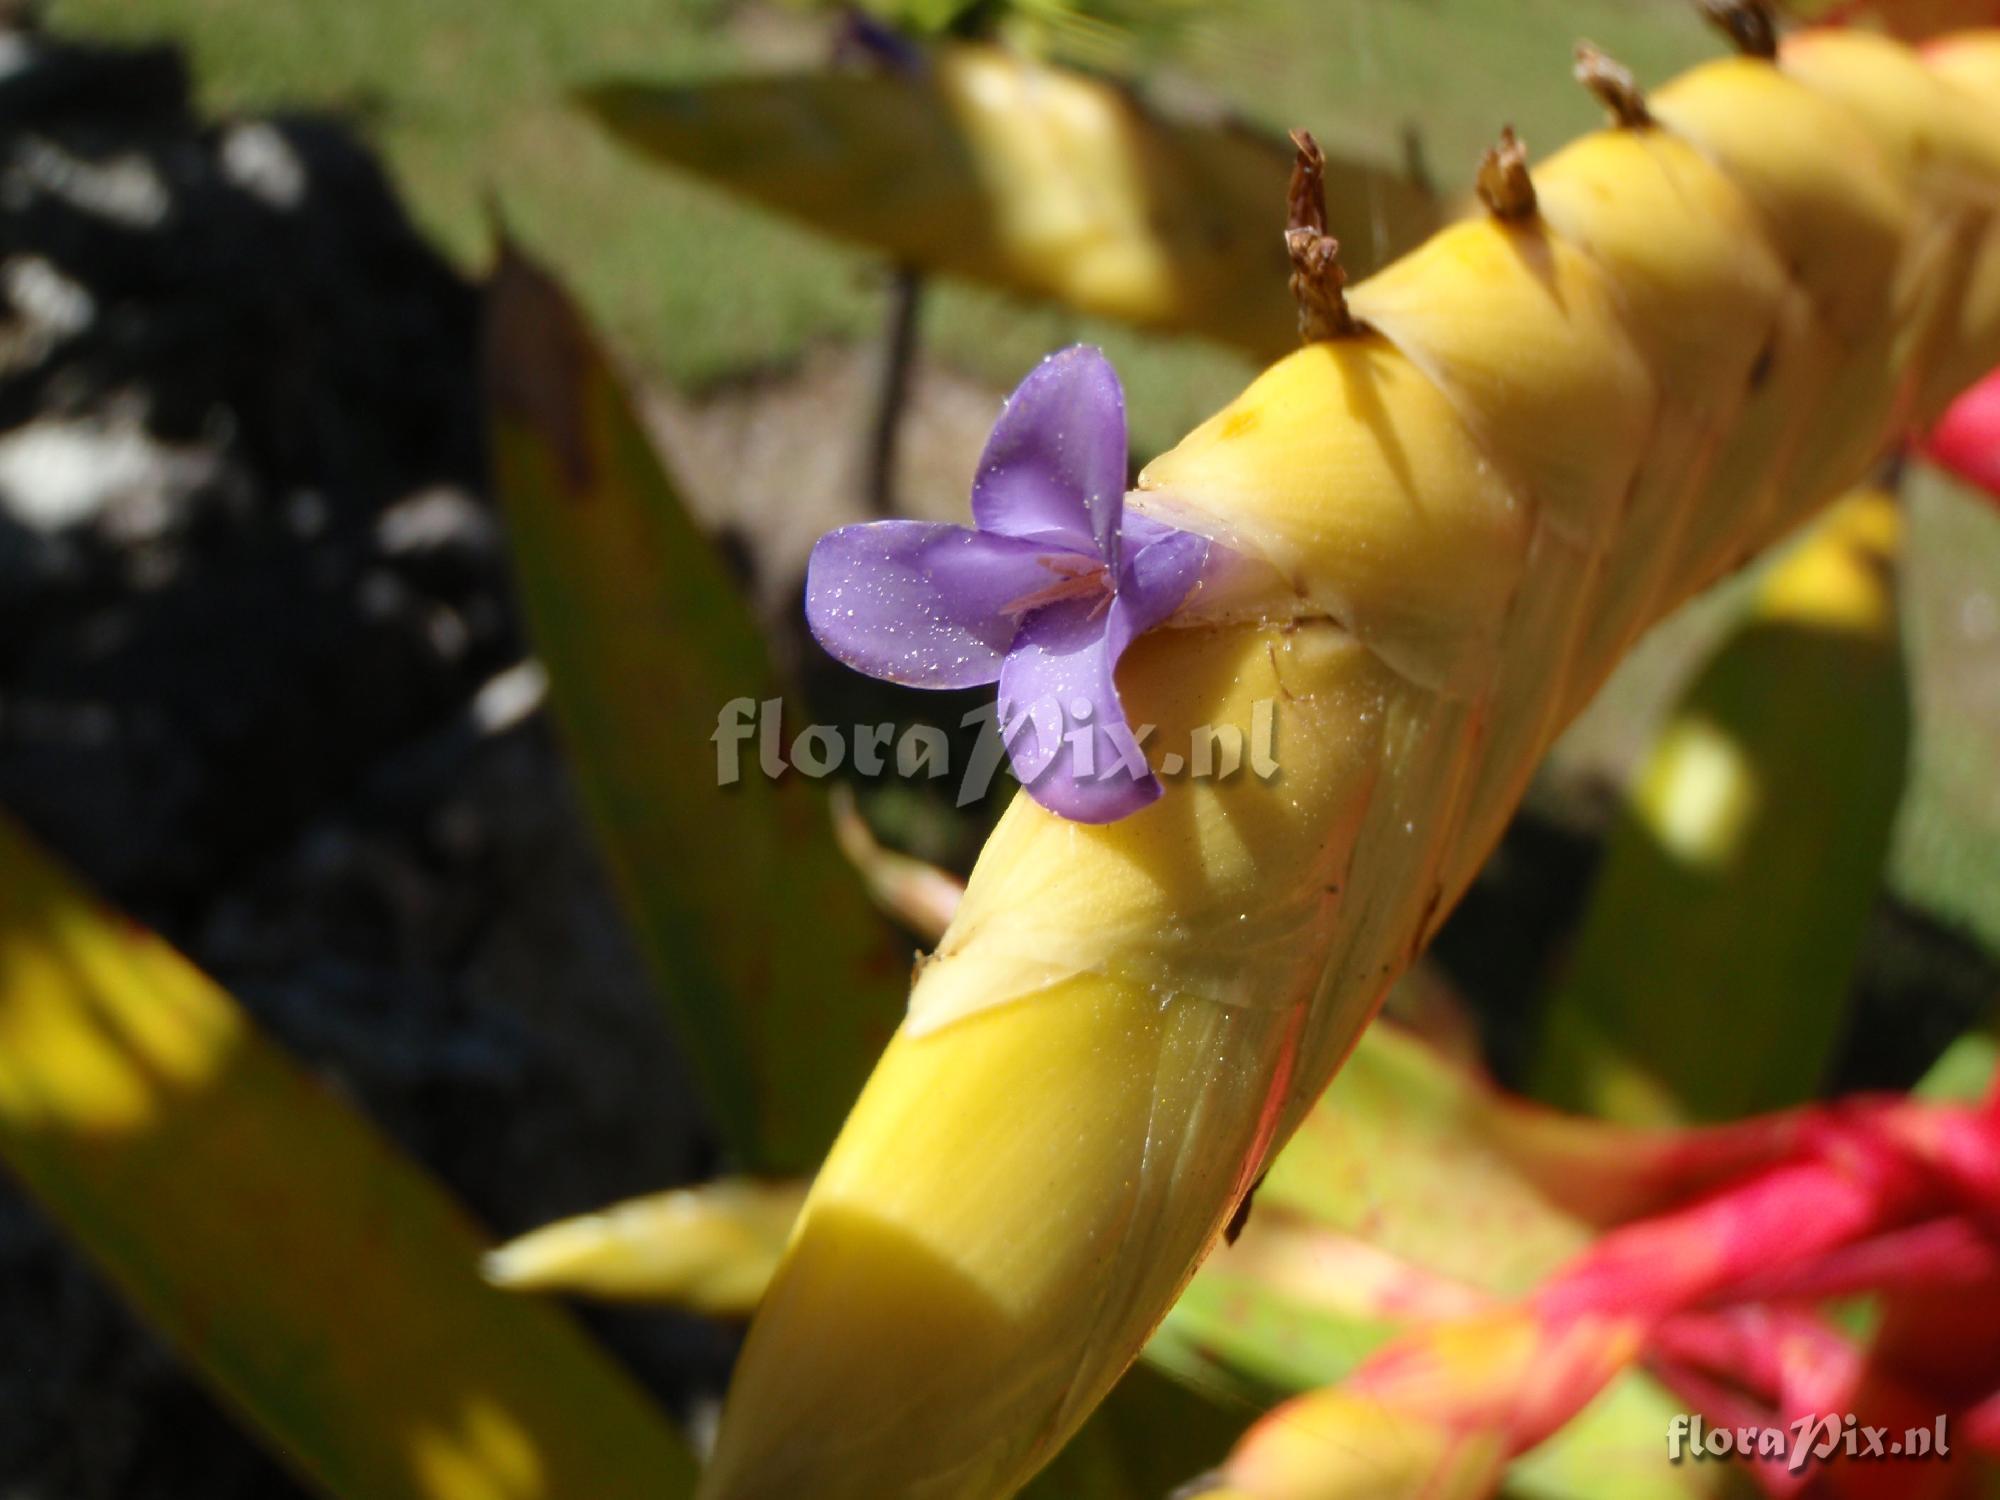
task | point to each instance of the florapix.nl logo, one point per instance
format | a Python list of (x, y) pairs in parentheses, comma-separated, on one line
[(1041, 733)]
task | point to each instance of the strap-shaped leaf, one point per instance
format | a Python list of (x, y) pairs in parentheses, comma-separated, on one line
[(324, 1284), (779, 972), (985, 164), (1735, 893)]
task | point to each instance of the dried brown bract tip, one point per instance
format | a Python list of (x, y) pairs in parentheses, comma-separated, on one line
[(1504, 184), (1317, 280), (1613, 84), (1748, 24)]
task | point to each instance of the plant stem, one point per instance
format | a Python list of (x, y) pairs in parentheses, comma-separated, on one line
[(893, 387)]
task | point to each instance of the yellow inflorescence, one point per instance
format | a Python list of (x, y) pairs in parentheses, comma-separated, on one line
[(1555, 429)]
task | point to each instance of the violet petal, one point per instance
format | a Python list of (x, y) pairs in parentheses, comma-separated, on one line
[(1054, 467), (920, 602), (1141, 530), (1058, 682), (1160, 575)]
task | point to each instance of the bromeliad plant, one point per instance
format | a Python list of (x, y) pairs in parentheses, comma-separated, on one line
[(1494, 1295), (1468, 1275), (1522, 444)]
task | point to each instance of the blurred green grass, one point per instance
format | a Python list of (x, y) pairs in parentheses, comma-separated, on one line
[(466, 98)]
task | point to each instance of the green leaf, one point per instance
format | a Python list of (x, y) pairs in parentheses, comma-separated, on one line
[(1617, 1446), (1413, 1193), (1148, 1437), (1410, 1193), (1964, 1071), (1711, 976), (1413, 1155), (1239, 1331), (783, 979), (322, 1282)]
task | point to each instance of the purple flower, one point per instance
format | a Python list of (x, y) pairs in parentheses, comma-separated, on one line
[(1043, 595)]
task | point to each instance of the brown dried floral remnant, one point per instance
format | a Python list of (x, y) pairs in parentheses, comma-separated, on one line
[(1318, 282), (1614, 86), (1504, 184)]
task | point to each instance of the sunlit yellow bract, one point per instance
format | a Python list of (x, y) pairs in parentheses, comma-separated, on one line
[(710, 1249)]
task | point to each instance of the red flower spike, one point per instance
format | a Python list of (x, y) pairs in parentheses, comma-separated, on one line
[(1882, 1195)]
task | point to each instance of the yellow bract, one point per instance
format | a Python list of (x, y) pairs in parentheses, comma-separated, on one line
[(1243, 863), (710, 1248), (1335, 505)]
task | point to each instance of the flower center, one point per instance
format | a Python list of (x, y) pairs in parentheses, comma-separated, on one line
[(1076, 578)]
